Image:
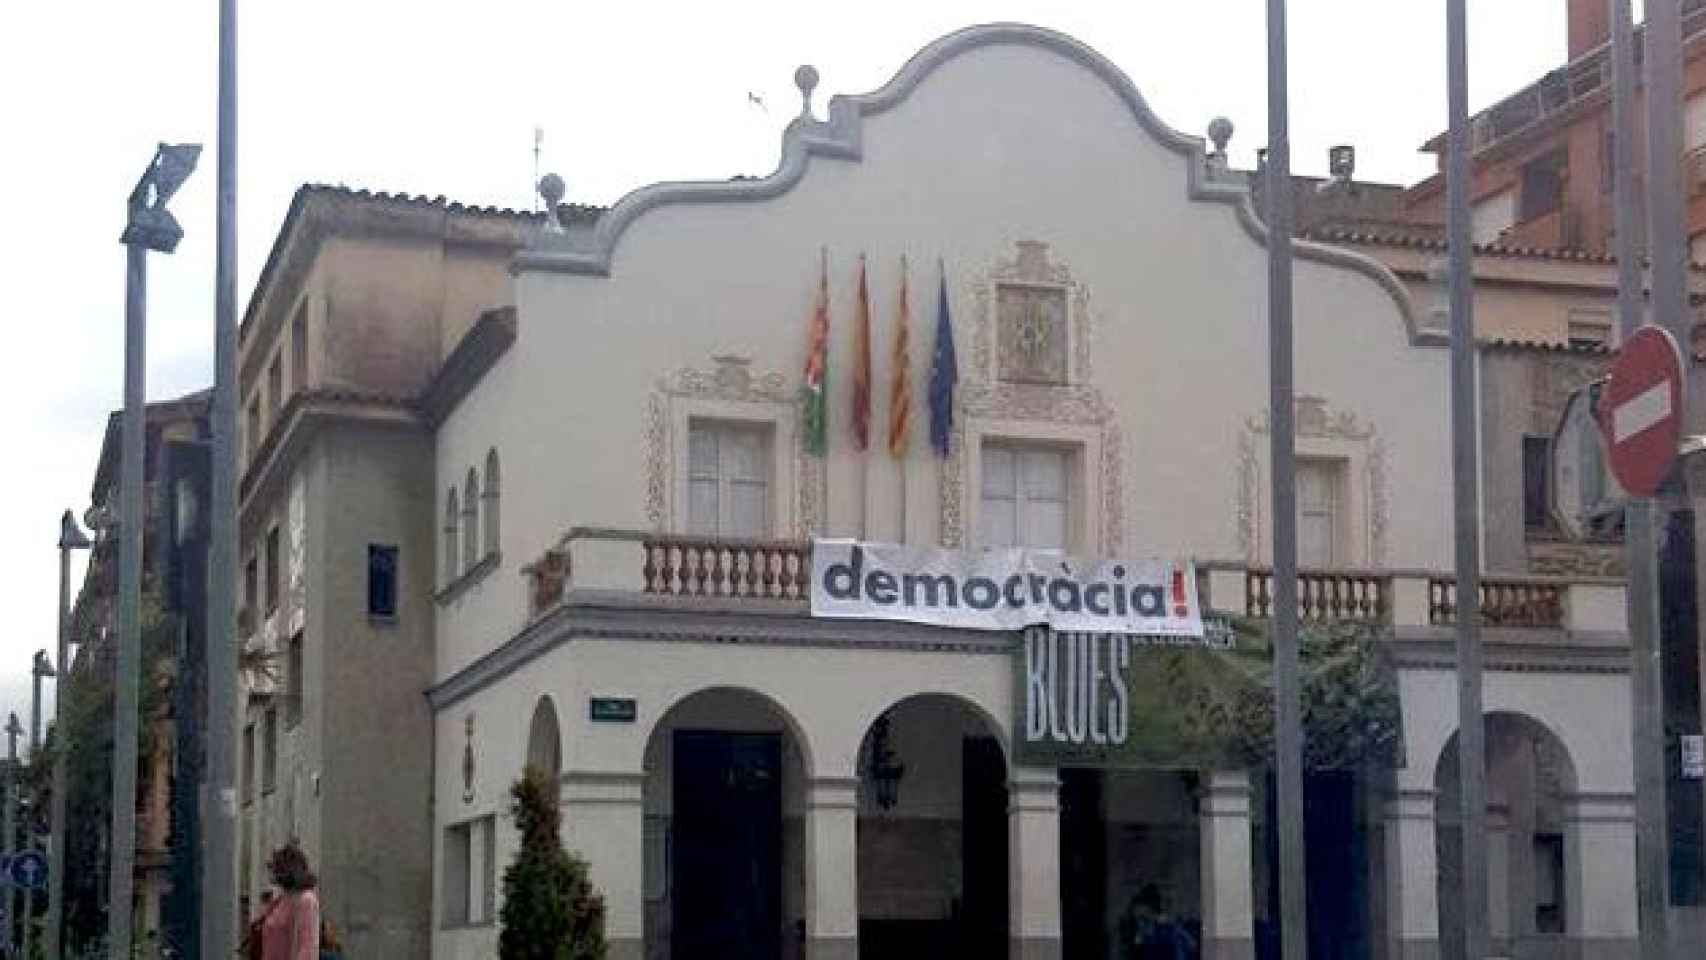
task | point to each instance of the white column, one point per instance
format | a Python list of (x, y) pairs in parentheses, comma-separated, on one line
[(832, 869), (603, 821), (1228, 920), (1412, 871), (1033, 851), (1599, 900), (1499, 862)]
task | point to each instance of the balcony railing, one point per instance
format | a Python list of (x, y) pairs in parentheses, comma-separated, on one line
[(687, 569), (1563, 87)]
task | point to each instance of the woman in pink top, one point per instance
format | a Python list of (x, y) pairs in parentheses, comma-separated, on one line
[(291, 928)]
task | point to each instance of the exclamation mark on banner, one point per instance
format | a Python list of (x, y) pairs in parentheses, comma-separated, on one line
[(1179, 607)]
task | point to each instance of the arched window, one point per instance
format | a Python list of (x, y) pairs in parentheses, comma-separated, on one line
[(489, 523), (452, 515), (471, 521)]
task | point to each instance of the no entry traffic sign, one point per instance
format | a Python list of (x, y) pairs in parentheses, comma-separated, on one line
[(1640, 410)]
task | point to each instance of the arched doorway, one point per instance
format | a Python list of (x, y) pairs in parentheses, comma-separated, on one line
[(932, 832), (1530, 777), (545, 740), (723, 871)]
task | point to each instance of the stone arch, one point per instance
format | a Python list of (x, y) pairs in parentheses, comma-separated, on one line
[(932, 828), (724, 874), (990, 721), (1532, 846), (545, 738)]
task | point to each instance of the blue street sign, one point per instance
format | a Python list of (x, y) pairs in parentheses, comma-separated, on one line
[(29, 870)]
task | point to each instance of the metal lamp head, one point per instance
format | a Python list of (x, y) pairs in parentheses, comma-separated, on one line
[(71, 536), (150, 224), (42, 666), (100, 518)]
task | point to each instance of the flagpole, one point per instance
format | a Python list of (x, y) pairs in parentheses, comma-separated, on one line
[(1288, 733)]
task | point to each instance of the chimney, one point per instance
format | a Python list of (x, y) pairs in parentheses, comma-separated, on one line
[(1590, 25)]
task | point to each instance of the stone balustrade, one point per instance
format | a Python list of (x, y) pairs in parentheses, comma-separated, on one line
[(691, 569)]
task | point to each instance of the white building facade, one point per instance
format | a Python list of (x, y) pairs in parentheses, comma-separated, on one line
[(746, 780)]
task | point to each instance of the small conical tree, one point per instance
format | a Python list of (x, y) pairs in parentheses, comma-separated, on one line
[(550, 909)]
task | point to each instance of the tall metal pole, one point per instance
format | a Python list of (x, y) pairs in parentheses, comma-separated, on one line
[(14, 729), (128, 683), (1288, 708), (39, 667), (1668, 250), (219, 874), (1471, 736), (70, 538)]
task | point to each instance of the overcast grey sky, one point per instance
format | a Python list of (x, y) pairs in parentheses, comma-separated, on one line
[(442, 98)]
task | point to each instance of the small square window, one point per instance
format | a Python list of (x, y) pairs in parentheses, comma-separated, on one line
[(381, 580), (470, 873), (272, 570), (293, 702), (249, 763), (269, 752)]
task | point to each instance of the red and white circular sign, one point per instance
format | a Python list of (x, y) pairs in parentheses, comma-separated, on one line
[(1640, 410)]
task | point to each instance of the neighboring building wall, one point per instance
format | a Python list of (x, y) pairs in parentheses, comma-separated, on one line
[(363, 299), (376, 778)]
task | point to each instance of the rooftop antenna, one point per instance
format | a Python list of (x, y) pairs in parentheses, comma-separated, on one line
[(538, 142)]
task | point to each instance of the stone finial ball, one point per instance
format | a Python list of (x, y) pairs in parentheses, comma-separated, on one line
[(552, 188), (806, 78), (1220, 131)]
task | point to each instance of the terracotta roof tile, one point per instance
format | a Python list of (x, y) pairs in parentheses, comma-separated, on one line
[(1396, 238)]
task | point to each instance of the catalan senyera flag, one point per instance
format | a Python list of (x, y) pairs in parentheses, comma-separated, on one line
[(862, 366), (815, 436), (900, 387)]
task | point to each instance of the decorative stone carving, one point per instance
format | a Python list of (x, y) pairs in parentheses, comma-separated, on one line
[(1562, 558), (468, 760), (1031, 312), (1314, 418), (1031, 330), (730, 379), (1556, 376)]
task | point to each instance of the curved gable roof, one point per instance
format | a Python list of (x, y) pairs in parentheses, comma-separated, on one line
[(841, 136)]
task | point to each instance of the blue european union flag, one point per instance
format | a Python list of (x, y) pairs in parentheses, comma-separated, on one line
[(944, 376)]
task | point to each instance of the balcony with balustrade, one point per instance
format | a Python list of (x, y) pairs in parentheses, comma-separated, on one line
[(669, 571)]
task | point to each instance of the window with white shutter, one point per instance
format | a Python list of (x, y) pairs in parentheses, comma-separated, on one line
[(728, 479), (1025, 498), (1318, 521)]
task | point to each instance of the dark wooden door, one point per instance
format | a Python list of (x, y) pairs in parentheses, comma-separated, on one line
[(727, 883), (984, 915)]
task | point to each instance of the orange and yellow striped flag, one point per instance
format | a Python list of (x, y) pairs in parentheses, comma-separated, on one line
[(900, 388)]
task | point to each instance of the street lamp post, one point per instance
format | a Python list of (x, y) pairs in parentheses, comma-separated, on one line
[(71, 538), (149, 227), (40, 667), (14, 730)]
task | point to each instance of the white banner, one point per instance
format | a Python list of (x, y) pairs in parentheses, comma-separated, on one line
[(1003, 589)]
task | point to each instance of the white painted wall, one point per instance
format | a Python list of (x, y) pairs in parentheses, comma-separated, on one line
[(1000, 144)]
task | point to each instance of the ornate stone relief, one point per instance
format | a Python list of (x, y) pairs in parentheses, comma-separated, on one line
[(1035, 382), (1313, 418), (1556, 376), (729, 379), (468, 760), (1561, 558)]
